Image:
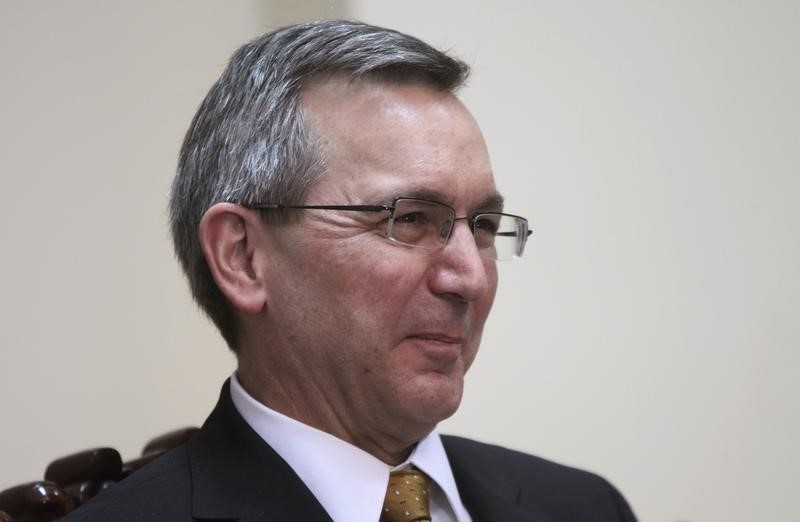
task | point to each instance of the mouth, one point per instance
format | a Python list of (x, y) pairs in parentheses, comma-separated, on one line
[(437, 347), (438, 338)]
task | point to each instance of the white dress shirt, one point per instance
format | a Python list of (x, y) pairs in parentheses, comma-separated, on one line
[(329, 466)]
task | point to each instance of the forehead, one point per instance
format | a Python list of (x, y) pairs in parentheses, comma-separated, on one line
[(381, 140)]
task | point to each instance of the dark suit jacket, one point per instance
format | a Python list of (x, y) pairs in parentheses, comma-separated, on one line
[(227, 472)]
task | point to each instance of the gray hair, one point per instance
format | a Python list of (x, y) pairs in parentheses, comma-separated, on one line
[(248, 142)]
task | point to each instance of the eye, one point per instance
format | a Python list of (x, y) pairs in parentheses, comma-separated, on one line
[(487, 224), (421, 222), (412, 218), (414, 227)]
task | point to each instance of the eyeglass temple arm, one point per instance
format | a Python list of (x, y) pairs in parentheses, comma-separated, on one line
[(363, 208)]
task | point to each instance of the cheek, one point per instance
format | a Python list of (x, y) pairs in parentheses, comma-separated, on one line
[(491, 272), (481, 311), (373, 285), (381, 292), (480, 308)]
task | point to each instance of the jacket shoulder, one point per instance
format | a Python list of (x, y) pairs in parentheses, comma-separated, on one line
[(538, 483), (160, 491), (513, 463)]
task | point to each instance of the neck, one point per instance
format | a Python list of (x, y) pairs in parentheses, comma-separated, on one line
[(278, 386)]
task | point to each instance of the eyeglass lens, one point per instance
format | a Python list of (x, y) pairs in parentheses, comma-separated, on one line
[(428, 224)]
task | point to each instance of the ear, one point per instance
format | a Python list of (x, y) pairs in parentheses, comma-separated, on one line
[(231, 244)]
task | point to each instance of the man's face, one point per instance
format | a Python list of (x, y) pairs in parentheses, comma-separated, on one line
[(385, 331)]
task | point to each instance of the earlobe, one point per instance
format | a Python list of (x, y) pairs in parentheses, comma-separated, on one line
[(229, 240)]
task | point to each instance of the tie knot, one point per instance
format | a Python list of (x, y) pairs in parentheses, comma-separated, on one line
[(406, 497)]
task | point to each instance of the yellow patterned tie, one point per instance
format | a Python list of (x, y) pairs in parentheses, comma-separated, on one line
[(406, 497)]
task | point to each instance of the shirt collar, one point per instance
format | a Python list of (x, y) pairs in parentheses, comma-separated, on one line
[(330, 466), (430, 457)]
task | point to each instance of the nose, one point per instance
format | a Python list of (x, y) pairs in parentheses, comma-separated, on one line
[(459, 271)]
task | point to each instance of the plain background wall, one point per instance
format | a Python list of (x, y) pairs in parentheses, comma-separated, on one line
[(651, 334)]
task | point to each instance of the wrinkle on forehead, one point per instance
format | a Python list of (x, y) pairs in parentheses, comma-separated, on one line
[(382, 140), (328, 107)]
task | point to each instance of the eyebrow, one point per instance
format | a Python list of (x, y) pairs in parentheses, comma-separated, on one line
[(495, 202), (492, 203)]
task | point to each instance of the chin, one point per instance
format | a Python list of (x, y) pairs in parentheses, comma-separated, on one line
[(438, 400)]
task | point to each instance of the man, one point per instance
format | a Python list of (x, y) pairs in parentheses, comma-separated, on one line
[(335, 212)]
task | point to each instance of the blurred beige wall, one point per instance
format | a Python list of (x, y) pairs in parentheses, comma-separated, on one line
[(651, 334)]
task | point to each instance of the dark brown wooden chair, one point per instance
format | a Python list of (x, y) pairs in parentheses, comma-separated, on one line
[(72, 480)]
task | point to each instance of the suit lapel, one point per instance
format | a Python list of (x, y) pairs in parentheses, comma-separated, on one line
[(487, 493), (237, 476)]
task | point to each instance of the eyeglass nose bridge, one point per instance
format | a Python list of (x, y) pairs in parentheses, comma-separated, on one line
[(450, 225)]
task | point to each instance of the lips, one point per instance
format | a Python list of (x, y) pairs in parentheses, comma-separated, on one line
[(440, 350), (439, 338)]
